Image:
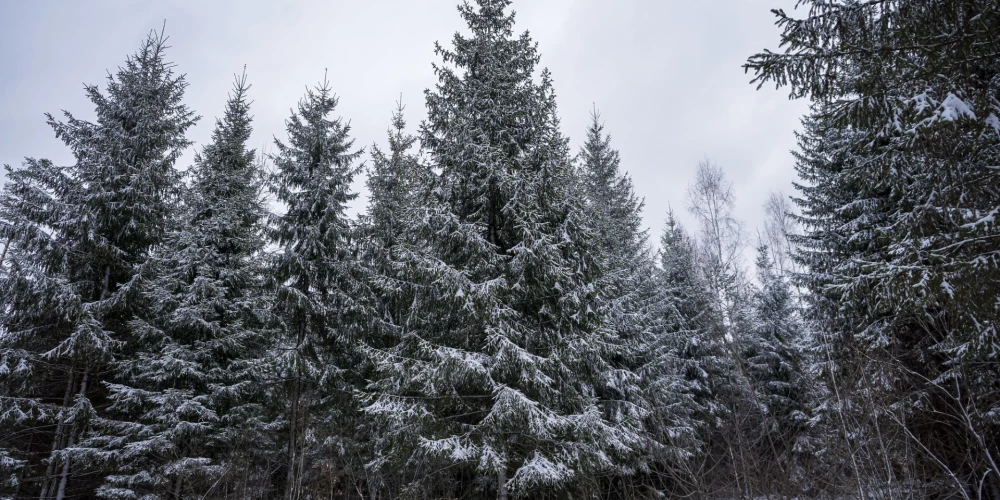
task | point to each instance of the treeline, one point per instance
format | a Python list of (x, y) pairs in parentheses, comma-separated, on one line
[(497, 323)]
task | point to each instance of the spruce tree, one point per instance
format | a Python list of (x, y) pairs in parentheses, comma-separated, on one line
[(78, 235), (398, 182), (899, 202), (615, 215), (491, 390), (177, 400), (395, 181), (630, 296), (687, 365), (319, 297), (775, 362), (841, 214), (610, 196)]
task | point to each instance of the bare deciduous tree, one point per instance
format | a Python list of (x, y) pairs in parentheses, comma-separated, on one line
[(779, 227), (712, 201)]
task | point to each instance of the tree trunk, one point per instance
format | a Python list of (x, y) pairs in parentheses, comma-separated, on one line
[(105, 283), (61, 493), (3, 256), (502, 485), (290, 485), (302, 427), (177, 488), (57, 440)]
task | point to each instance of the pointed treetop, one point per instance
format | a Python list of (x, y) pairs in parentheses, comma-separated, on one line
[(489, 17)]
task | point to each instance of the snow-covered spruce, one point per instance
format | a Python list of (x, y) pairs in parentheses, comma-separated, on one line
[(319, 294), (899, 191), (491, 386), (630, 306), (176, 414), (77, 236)]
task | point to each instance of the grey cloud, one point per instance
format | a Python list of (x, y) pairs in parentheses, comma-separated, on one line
[(665, 74)]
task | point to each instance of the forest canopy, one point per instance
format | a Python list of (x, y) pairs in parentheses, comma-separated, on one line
[(497, 322)]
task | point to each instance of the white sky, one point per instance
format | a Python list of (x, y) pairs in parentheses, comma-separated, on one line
[(665, 74)]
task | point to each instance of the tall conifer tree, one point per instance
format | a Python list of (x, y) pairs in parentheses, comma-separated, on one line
[(398, 182), (685, 367), (494, 377), (78, 235), (181, 383), (395, 181), (319, 290), (775, 364), (630, 301), (900, 198)]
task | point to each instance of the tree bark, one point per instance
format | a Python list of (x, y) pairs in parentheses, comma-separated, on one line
[(502, 485), (57, 440), (292, 440), (3, 256), (61, 493), (177, 487)]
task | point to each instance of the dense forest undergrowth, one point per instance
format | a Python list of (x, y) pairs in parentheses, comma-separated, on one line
[(497, 323)]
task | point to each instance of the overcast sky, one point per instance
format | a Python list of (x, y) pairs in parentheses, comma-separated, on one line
[(665, 74)]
